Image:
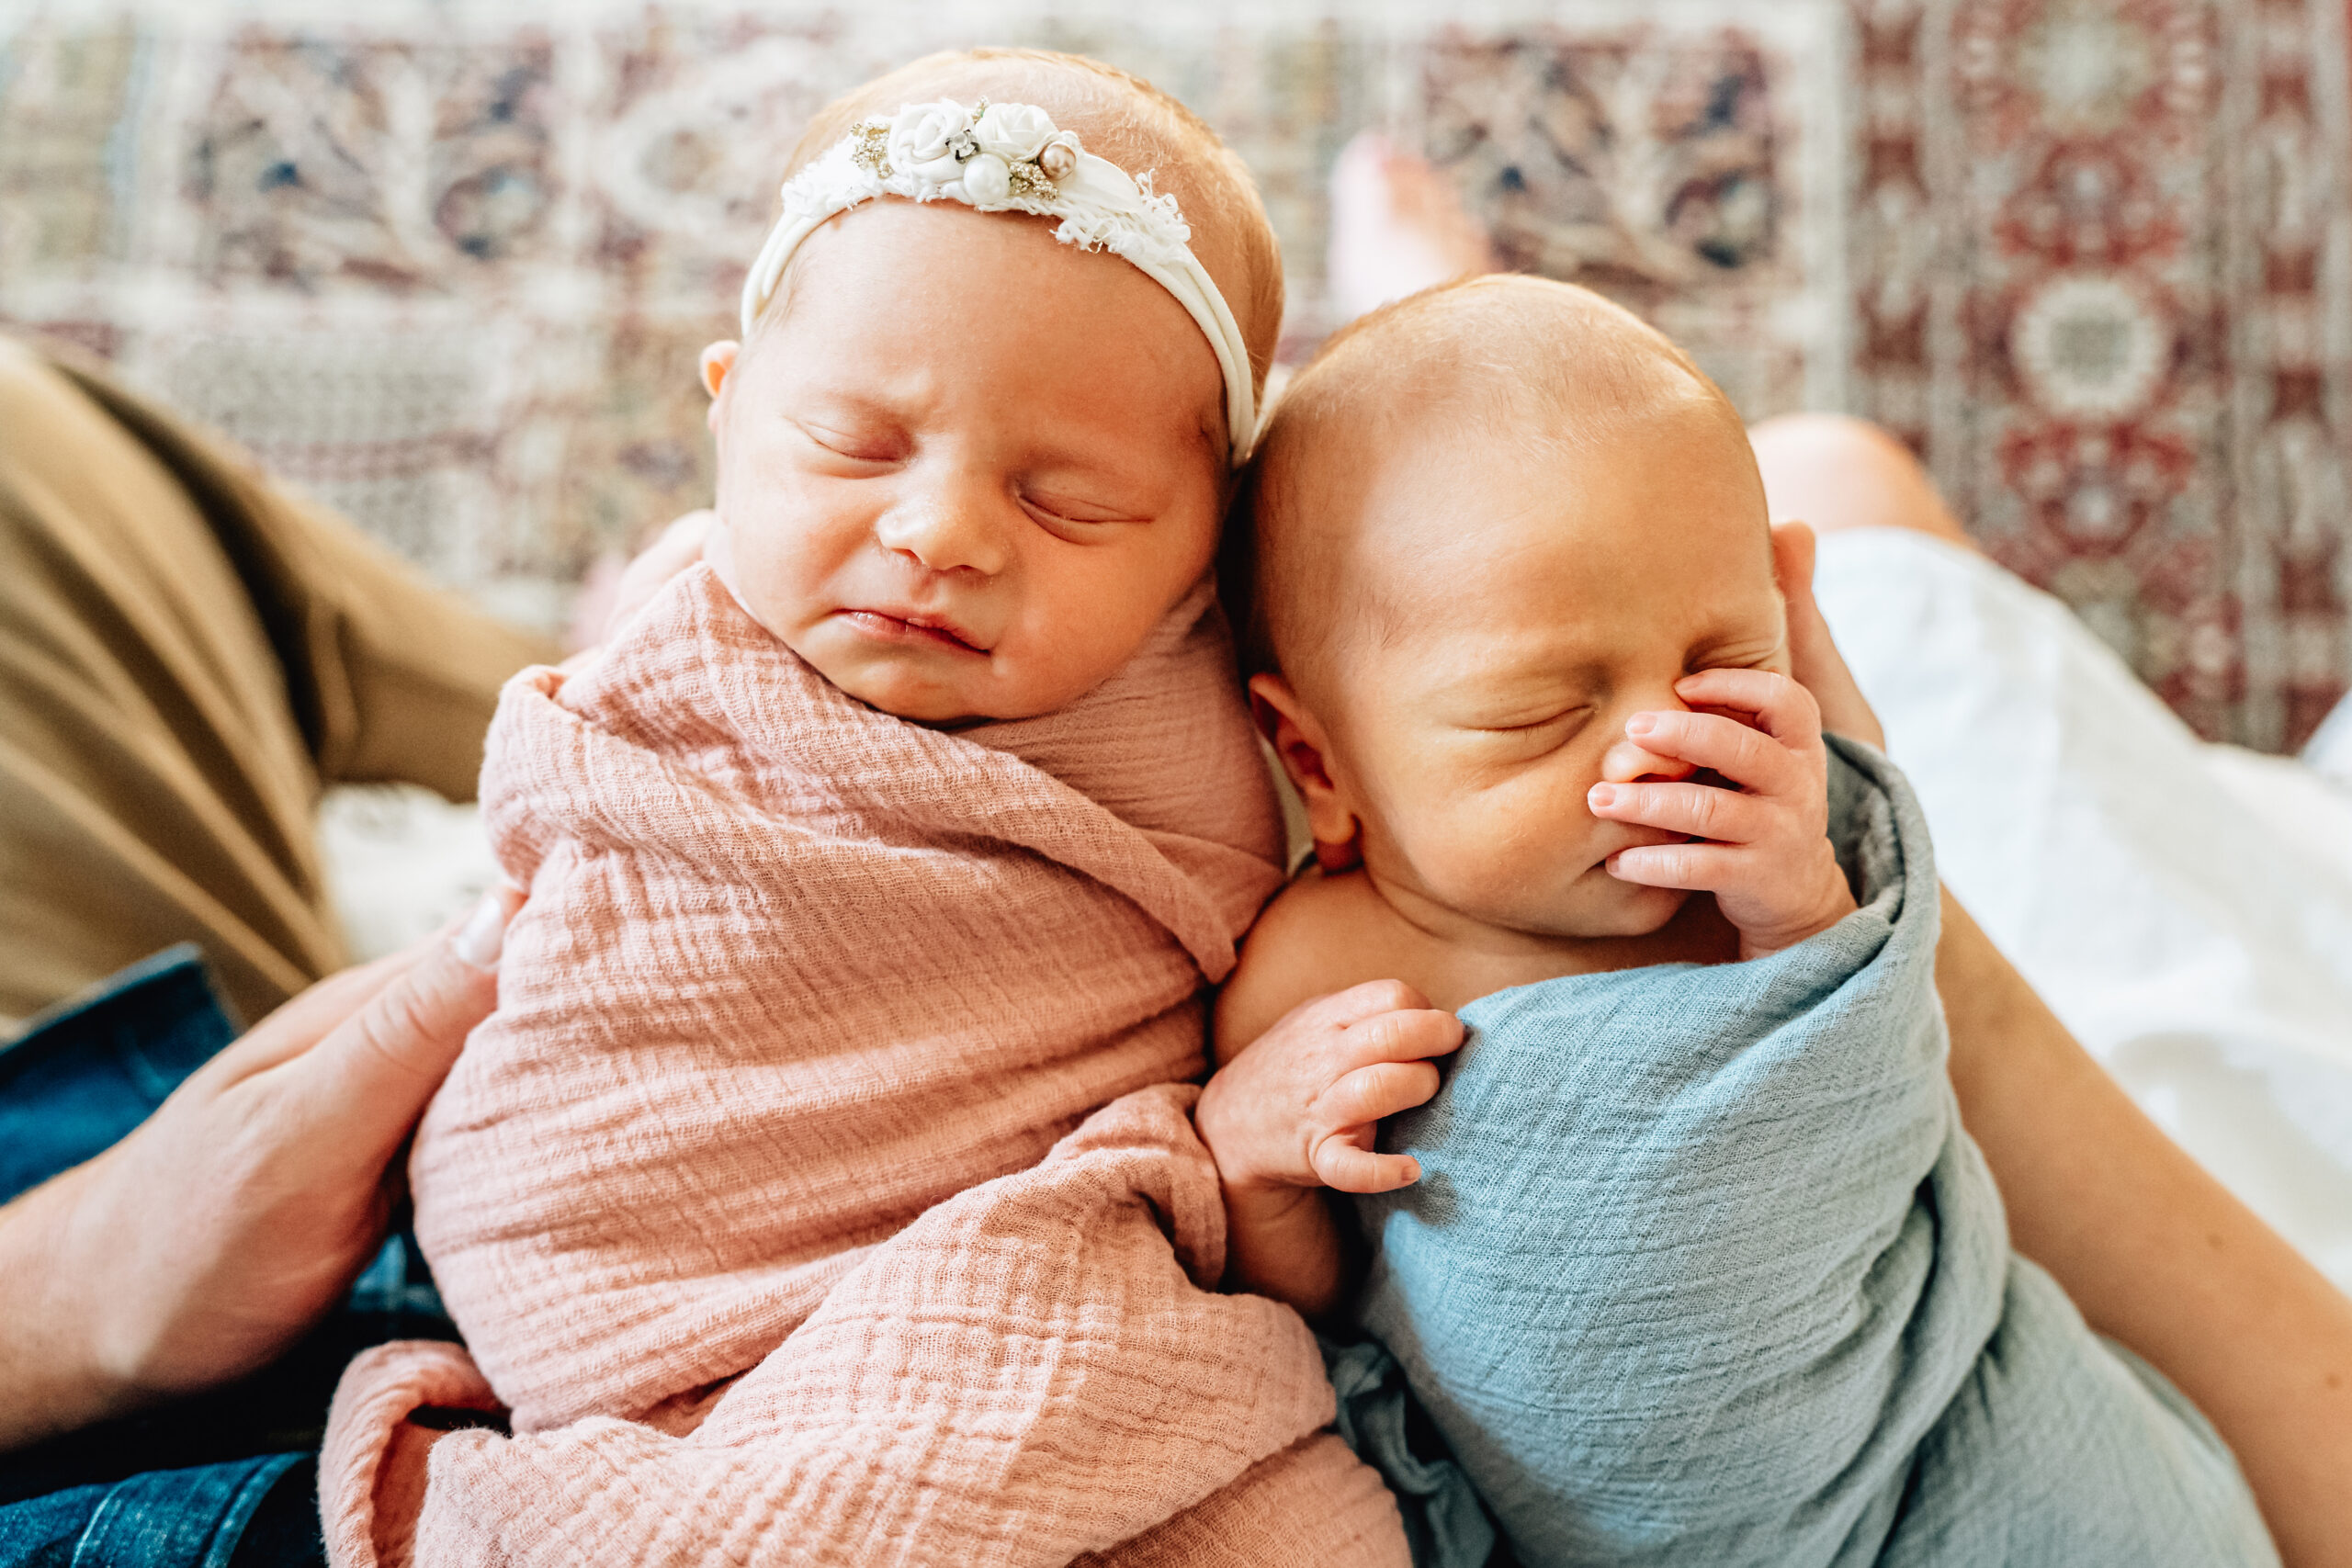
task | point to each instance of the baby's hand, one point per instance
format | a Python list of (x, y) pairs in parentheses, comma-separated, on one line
[(1299, 1107), (1765, 854)]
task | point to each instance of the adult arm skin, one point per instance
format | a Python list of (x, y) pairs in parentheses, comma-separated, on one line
[(2155, 1252), (203, 1244)]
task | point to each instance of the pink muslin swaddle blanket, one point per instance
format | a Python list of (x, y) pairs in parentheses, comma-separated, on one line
[(743, 1197)]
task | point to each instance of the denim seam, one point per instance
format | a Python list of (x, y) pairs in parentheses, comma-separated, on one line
[(125, 1514)]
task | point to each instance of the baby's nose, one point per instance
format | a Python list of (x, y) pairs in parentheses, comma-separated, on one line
[(943, 536), (1626, 762)]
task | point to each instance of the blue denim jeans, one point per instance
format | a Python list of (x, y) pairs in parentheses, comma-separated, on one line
[(227, 1479)]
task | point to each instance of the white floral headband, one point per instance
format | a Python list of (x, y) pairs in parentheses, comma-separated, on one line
[(1010, 158)]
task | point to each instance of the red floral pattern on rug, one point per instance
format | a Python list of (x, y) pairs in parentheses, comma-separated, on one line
[(2102, 284), (2094, 260)]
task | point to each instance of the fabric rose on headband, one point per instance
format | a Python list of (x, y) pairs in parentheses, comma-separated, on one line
[(1007, 135), (1014, 132), (930, 141)]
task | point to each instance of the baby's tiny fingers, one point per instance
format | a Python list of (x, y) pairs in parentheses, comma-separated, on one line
[(1702, 810), (1783, 707), (1342, 1167), (1625, 762), (1357, 1003), (1369, 1093), (1743, 755), (1697, 867), (1404, 1035)]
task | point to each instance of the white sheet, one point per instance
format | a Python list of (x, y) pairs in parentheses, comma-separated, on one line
[(2185, 908), (401, 863)]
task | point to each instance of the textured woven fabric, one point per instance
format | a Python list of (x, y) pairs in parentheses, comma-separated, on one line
[(1035, 1371), (796, 979), (1703, 1270)]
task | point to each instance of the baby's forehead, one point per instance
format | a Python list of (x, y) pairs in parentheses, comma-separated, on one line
[(1671, 496), (1519, 366), (1419, 446), (1483, 489)]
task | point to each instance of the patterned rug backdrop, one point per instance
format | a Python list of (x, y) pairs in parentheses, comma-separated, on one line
[(449, 265)]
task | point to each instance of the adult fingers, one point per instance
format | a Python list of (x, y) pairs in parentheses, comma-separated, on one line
[(1739, 753), (372, 1075), (679, 547), (1812, 652), (1344, 1168), (300, 1022), (1794, 548), (1700, 811), (1369, 1093)]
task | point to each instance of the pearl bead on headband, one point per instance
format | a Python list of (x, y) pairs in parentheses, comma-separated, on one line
[(1010, 158)]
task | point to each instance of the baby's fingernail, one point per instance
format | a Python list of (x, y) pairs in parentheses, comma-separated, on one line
[(1641, 724), (485, 934), (1602, 796)]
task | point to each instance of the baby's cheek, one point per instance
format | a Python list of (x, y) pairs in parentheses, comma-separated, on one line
[(1502, 859), (782, 561), (1082, 617)]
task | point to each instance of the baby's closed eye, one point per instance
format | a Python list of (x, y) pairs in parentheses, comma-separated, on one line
[(1745, 654), (856, 443), (1072, 513), (1546, 726)]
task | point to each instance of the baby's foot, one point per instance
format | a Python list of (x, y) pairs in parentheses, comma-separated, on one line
[(1398, 226)]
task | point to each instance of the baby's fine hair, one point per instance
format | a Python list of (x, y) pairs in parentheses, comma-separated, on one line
[(1116, 116), (1506, 360)]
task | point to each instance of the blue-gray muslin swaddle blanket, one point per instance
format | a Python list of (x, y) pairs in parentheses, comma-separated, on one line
[(1702, 1270)]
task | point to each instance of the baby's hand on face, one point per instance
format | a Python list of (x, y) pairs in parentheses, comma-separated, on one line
[(1764, 850), (1299, 1107)]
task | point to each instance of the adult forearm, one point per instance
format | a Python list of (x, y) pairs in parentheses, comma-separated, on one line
[(2156, 1253)]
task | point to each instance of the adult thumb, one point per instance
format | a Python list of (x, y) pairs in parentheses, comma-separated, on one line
[(372, 1074), (1815, 662)]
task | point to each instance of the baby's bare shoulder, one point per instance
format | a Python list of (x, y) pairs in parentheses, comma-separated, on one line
[(1320, 934)]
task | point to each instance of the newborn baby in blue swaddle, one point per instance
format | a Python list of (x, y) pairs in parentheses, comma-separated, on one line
[(1688, 1260)]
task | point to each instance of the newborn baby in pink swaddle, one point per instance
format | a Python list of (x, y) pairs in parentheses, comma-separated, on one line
[(822, 1189)]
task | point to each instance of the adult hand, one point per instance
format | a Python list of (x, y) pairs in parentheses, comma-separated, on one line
[(1813, 657), (615, 591), (203, 1244)]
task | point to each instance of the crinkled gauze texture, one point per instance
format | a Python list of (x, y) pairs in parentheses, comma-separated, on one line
[(1703, 1270), (1037, 1371), (738, 1196)]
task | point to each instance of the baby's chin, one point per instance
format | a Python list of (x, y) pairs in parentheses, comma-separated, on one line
[(1602, 905), (892, 686), (920, 687)]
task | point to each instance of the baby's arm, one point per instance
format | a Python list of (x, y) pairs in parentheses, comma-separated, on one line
[(1765, 851), (1294, 1109)]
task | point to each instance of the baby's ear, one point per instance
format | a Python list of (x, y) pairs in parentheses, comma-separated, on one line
[(1304, 748), (1296, 734), (718, 364)]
